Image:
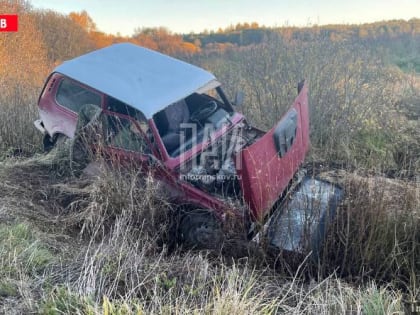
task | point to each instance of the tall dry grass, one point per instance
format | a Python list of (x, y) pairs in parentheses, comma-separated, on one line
[(106, 234), (376, 234), (18, 112)]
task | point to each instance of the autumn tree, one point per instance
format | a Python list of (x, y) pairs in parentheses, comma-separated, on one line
[(23, 57), (84, 20), (64, 38), (161, 39)]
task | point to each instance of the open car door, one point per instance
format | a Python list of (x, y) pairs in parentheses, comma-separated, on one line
[(269, 164)]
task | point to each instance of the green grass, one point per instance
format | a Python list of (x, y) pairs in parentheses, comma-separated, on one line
[(62, 301), (8, 288), (22, 251)]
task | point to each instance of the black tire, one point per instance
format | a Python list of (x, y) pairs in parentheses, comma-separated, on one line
[(51, 142), (48, 143), (200, 229)]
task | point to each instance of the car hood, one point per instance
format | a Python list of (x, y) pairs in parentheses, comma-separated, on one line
[(268, 165), (142, 78)]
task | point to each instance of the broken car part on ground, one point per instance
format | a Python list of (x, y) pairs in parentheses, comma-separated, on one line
[(173, 120)]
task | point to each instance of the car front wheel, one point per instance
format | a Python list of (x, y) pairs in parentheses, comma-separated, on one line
[(48, 143), (200, 229)]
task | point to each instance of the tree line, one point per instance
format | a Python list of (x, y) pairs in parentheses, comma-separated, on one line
[(46, 38)]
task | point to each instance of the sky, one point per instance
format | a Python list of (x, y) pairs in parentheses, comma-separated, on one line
[(186, 16)]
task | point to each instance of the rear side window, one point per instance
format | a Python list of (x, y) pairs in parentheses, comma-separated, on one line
[(73, 96)]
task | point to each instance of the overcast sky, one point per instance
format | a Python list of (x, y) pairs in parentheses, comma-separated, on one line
[(185, 16)]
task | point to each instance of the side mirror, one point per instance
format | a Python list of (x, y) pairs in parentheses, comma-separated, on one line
[(239, 98)]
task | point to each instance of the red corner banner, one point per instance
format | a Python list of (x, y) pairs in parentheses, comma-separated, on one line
[(8, 22)]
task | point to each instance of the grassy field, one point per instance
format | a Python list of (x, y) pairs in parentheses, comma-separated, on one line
[(93, 246), (89, 246)]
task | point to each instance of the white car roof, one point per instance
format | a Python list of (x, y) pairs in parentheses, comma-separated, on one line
[(142, 78)]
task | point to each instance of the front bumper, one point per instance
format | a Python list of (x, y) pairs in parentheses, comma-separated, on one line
[(40, 126)]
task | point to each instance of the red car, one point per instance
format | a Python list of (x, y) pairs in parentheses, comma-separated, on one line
[(175, 121)]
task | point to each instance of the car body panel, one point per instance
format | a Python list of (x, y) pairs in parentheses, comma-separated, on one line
[(264, 175), (57, 119)]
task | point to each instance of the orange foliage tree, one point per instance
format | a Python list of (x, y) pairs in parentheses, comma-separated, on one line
[(84, 20), (161, 39), (23, 57), (64, 38)]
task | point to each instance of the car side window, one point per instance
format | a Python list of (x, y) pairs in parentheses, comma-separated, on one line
[(73, 96), (118, 107)]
